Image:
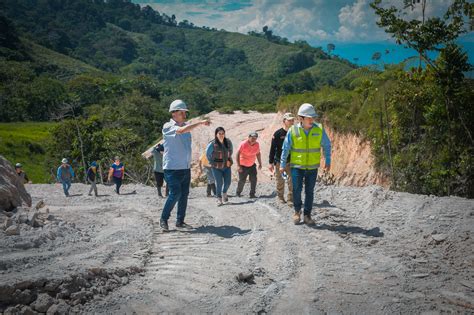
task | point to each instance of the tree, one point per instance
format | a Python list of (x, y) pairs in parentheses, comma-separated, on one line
[(432, 34), (425, 35), (431, 115), (331, 48)]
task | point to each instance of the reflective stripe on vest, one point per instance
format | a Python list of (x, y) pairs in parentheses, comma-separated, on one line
[(306, 149)]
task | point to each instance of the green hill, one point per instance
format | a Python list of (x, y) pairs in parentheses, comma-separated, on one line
[(125, 40), (25, 143)]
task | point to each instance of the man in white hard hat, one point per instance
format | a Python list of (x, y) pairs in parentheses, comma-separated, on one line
[(303, 143), (274, 159), (177, 162)]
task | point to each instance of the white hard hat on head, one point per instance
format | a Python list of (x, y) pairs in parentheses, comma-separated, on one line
[(307, 110), (18, 165), (178, 105), (64, 160)]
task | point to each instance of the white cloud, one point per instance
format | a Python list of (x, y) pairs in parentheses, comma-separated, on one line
[(311, 20)]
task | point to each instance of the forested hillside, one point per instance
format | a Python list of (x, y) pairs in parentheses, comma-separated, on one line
[(107, 71)]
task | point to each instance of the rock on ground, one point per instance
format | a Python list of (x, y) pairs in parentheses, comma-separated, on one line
[(372, 251), (12, 191)]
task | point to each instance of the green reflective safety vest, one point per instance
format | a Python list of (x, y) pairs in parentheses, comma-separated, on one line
[(306, 149)]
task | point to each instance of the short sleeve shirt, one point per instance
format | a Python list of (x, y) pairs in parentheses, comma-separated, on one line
[(117, 170), (248, 153), (177, 153)]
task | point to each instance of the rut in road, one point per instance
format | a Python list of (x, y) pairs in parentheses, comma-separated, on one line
[(353, 260)]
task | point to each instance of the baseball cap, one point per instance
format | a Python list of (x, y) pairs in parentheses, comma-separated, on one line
[(288, 116), (253, 134)]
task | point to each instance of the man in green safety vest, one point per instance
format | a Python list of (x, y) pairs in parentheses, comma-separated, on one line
[(304, 142)]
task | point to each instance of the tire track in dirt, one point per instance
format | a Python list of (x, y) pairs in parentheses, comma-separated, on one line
[(186, 268)]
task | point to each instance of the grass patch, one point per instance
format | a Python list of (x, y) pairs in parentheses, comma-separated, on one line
[(25, 143)]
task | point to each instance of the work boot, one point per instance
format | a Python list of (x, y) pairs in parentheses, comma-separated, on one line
[(209, 190), (183, 225), (307, 220), (225, 198), (159, 192), (253, 197), (213, 188), (164, 226), (297, 217)]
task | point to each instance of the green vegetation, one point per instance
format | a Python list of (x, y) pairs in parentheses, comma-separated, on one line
[(123, 40), (418, 121), (108, 70), (26, 143)]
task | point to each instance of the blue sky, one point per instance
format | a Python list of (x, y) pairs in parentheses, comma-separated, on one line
[(349, 24)]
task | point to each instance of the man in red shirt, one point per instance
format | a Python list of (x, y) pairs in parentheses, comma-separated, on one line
[(248, 150)]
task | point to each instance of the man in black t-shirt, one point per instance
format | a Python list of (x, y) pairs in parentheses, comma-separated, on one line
[(274, 159)]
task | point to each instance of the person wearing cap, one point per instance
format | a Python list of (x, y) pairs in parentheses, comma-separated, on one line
[(64, 175), (248, 151), (91, 178), (117, 172), (274, 159), (157, 153), (22, 174), (177, 162), (303, 143)]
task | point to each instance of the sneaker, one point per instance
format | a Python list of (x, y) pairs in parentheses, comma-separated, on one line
[(219, 202), (297, 217), (225, 198), (183, 225), (307, 220), (164, 226)]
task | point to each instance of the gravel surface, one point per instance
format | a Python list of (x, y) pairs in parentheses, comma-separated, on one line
[(371, 251)]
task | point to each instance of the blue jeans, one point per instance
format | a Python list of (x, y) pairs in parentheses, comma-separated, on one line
[(178, 182), (309, 178), (222, 177), (66, 186)]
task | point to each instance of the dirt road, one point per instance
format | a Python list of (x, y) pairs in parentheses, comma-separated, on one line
[(372, 251)]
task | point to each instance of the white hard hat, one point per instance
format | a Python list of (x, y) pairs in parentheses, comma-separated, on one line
[(307, 110), (178, 105), (18, 165), (64, 160)]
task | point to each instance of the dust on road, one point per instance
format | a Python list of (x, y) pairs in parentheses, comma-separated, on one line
[(372, 251)]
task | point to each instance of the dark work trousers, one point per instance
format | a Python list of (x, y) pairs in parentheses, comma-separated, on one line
[(159, 177), (118, 183), (251, 172)]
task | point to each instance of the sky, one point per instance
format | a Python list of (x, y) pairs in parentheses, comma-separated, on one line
[(349, 24)]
